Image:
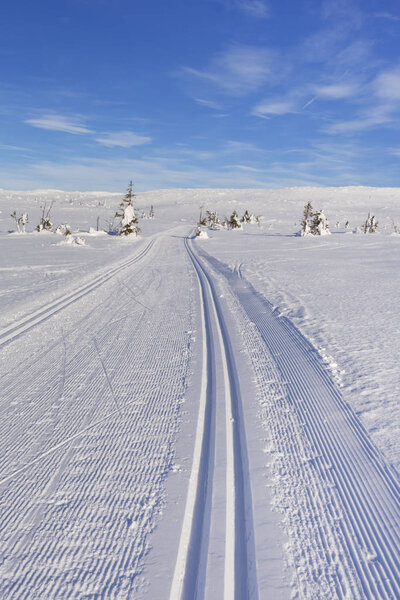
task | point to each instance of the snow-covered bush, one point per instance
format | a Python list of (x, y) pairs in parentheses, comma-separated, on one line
[(21, 221), (234, 222), (63, 229), (79, 241), (371, 224), (201, 233), (45, 223)]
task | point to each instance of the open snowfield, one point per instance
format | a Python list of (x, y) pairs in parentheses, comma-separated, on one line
[(200, 418)]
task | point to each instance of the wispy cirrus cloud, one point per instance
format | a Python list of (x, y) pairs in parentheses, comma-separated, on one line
[(269, 108), (122, 139), (343, 10), (253, 8), (337, 91), (54, 122), (239, 70), (368, 119), (208, 103), (387, 15), (76, 126), (11, 148), (378, 107), (387, 85)]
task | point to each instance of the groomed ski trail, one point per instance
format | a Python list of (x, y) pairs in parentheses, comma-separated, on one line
[(339, 498), (10, 332), (87, 433), (197, 537)]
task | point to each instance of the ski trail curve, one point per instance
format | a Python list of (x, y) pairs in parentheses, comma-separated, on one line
[(239, 574), (359, 524)]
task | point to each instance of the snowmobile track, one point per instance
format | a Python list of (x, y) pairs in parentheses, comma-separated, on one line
[(191, 565), (13, 331), (360, 492)]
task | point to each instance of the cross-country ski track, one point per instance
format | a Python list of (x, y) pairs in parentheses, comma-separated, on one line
[(93, 400)]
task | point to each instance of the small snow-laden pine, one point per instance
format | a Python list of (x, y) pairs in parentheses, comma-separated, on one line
[(371, 224), (202, 219), (305, 225), (249, 218), (126, 214), (129, 222), (246, 217), (313, 223), (234, 222), (213, 219), (320, 225), (151, 212)]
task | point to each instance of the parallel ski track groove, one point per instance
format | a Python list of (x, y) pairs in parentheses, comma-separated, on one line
[(11, 332), (192, 555), (367, 489), (244, 579)]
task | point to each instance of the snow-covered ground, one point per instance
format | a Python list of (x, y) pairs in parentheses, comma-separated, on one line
[(169, 404)]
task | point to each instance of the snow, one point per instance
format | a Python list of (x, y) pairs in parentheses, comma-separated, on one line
[(106, 384)]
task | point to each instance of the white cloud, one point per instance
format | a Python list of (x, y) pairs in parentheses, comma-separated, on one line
[(268, 108), (55, 122), (253, 8), (387, 15), (238, 70), (14, 148), (123, 139), (337, 91), (387, 85), (378, 116), (208, 103)]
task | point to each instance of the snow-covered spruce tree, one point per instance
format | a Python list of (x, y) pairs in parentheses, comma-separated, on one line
[(371, 224), (45, 223), (126, 214), (212, 219), (306, 223), (202, 220), (246, 217), (234, 222), (320, 224), (347, 225), (151, 213)]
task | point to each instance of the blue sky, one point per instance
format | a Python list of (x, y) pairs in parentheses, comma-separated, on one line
[(199, 93)]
